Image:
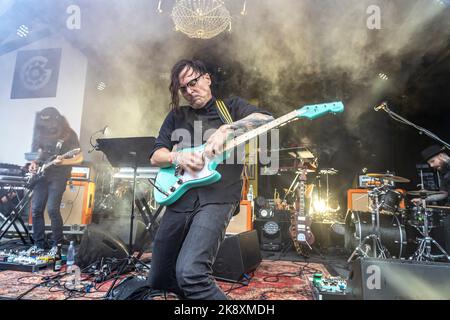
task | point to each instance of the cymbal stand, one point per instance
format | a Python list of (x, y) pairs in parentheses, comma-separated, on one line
[(423, 252), (377, 248)]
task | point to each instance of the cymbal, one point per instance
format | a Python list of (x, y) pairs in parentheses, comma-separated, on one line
[(387, 177), (330, 171), (424, 192)]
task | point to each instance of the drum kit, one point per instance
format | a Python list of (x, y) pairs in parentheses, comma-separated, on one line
[(389, 229)]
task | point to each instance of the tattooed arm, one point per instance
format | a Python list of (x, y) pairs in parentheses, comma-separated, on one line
[(215, 143), (249, 123)]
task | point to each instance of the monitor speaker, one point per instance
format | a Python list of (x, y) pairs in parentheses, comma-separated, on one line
[(97, 243), (395, 279), (120, 228), (238, 255)]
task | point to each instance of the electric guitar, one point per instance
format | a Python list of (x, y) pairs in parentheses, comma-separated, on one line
[(172, 182), (33, 178), (301, 224)]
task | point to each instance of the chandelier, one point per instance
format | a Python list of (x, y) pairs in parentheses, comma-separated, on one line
[(202, 19)]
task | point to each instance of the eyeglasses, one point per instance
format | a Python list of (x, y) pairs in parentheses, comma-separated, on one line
[(191, 84)]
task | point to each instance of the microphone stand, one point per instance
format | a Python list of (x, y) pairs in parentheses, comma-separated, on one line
[(95, 147), (421, 130)]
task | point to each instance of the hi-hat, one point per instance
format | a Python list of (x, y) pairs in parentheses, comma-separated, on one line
[(424, 192), (388, 177)]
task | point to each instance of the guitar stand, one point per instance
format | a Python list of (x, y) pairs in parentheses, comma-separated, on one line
[(15, 216)]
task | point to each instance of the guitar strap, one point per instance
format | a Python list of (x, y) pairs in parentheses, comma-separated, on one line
[(59, 145), (223, 112), (226, 118)]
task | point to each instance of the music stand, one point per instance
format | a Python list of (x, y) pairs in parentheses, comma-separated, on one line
[(128, 152)]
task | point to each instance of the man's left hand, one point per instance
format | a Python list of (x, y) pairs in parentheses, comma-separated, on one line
[(216, 142), (58, 160)]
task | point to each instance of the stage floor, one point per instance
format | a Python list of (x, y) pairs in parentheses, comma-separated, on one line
[(280, 276), (272, 280)]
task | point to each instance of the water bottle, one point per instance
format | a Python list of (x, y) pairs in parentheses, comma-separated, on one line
[(71, 254), (73, 270), (250, 193)]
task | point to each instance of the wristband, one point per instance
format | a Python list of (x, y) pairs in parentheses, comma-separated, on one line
[(173, 158)]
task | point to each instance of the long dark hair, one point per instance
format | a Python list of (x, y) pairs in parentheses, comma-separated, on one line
[(54, 126), (195, 65)]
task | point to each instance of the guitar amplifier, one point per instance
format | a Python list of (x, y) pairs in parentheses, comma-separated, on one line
[(242, 221), (76, 207), (358, 199)]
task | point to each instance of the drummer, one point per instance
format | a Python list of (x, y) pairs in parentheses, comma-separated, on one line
[(438, 158)]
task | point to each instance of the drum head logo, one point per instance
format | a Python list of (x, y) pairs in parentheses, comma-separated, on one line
[(36, 74)]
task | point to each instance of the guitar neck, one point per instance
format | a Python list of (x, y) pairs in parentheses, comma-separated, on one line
[(302, 199), (260, 130)]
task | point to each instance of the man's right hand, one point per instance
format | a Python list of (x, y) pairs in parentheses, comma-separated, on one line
[(416, 201), (189, 161), (33, 167)]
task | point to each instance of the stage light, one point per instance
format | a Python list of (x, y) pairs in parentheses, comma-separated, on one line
[(202, 19), (383, 76), (101, 86), (22, 31), (320, 206), (442, 2)]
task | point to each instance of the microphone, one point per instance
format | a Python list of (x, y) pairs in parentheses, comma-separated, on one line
[(381, 106)]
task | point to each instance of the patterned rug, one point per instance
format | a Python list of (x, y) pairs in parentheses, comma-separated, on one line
[(277, 280), (272, 280)]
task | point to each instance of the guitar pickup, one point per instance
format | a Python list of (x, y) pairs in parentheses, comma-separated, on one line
[(179, 171)]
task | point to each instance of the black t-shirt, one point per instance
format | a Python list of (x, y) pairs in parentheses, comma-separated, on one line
[(228, 188), (445, 180), (50, 147)]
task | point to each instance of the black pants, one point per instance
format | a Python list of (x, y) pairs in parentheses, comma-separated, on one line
[(184, 250), (48, 191)]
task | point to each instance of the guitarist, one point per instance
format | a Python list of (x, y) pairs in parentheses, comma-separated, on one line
[(52, 137), (193, 227)]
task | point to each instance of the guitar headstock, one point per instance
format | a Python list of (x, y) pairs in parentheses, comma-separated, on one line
[(316, 110)]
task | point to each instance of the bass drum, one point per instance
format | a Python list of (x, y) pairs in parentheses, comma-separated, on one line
[(358, 225)]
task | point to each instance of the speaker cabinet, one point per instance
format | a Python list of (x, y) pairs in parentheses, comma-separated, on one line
[(358, 199), (97, 243), (394, 279), (238, 255), (273, 232), (242, 221), (76, 206)]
